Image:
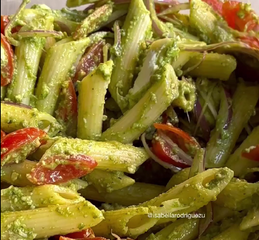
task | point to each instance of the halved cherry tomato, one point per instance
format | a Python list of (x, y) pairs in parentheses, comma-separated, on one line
[(67, 108), (61, 168), (2, 135), (252, 154), (20, 143), (181, 138), (239, 16), (7, 63), (4, 22), (163, 150), (84, 234)]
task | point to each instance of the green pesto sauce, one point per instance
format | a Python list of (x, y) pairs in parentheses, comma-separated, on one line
[(219, 177), (105, 70), (64, 211), (18, 230), (18, 198), (24, 151)]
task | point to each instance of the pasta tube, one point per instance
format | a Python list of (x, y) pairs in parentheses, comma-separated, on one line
[(160, 52), (211, 65), (134, 194), (49, 221), (3, 93), (182, 229), (112, 156), (59, 61), (178, 178), (206, 23), (137, 27), (94, 21), (251, 220), (91, 98), (105, 181), (229, 126), (240, 164), (14, 117), (187, 96), (28, 55), (232, 232), (16, 174), (186, 197), (15, 199), (155, 101), (239, 195)]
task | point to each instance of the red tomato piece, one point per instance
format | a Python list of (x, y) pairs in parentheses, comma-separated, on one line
[(239, 16), (2, 135), (67, 108), (252, 154), (163, 152), (178, 133), (7, 63), (19, 144), (87, 233), (61, 168), (4, 22)]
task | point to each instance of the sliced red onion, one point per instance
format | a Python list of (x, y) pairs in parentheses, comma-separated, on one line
[(205, 222), (39, 33), (180, 153), (175, 8), (201, 120), (155, 158), (228, 101), (17, 104)]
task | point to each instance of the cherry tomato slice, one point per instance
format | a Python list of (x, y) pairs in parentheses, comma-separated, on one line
[(61, 168), (179, 136), (252, 154), (4, 22), (239, 16), (163, 149), (163, 152), (18, 145), (7, 64), (84, 234), (2, 135), (67, 108)]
